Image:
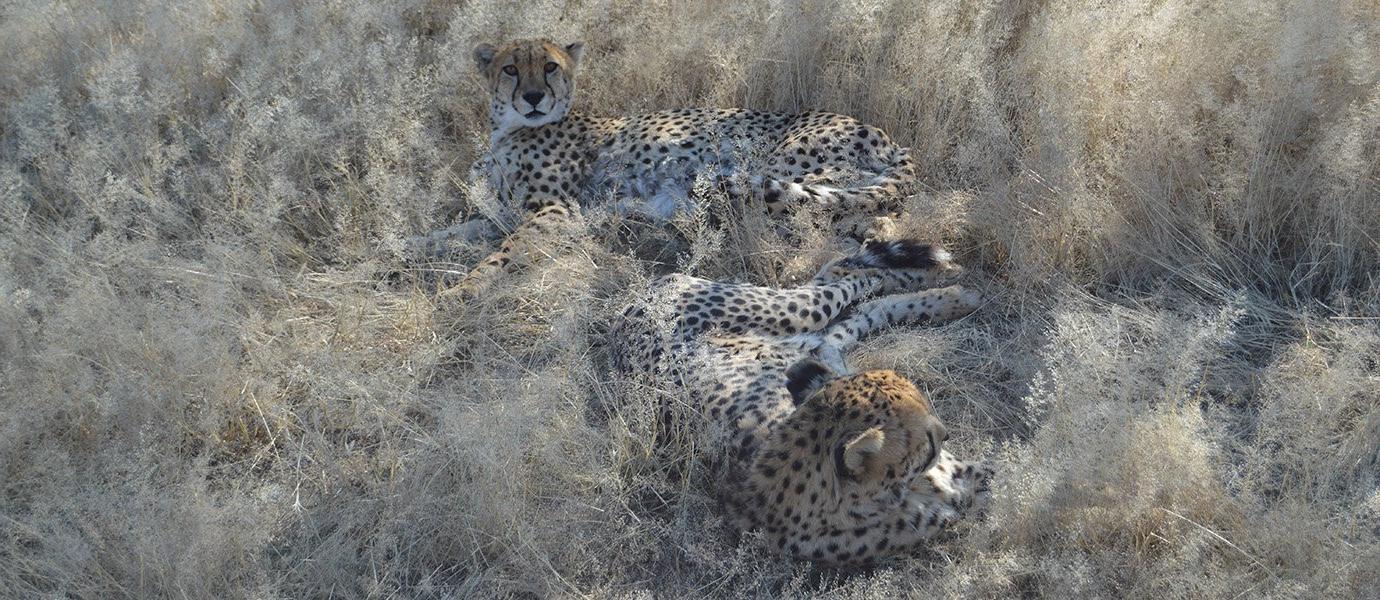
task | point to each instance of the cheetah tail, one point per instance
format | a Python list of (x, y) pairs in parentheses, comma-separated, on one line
[(898, 254), (902, 264)]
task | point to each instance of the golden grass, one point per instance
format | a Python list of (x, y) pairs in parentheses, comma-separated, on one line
[(221, 376)]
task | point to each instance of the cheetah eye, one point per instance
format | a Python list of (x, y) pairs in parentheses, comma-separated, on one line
[(551, 67), (511, 70)]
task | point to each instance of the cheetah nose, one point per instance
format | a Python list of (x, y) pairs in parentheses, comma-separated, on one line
[(533, 97)]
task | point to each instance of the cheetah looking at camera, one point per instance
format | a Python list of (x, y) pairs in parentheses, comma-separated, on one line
[(552, 161), (834, 466)]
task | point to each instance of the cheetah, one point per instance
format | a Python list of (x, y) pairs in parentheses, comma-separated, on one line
[(554, 162), (834, 466)]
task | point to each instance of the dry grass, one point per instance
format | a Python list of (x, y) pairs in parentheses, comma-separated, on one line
[(219, 376)]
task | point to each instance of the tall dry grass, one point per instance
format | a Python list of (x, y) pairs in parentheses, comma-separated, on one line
[(222, 376)]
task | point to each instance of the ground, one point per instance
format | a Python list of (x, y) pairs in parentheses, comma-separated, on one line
[(221, 376)]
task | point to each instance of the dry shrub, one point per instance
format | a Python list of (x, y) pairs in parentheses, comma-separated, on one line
[(224, 374)]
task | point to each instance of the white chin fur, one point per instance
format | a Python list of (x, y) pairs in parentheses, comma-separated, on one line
[(511, 119)]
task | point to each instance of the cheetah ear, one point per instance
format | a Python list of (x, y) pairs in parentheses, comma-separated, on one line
[(858, 449), (805, 378), (575, 50), (483, 57)]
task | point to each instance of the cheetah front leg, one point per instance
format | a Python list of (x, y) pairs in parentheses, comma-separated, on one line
[(929, 306), (950, 490), (546, 233), (879, 268), (961, 485), (437, 243)]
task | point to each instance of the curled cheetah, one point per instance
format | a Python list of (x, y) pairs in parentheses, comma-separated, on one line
[(551, 160), (834, 466)]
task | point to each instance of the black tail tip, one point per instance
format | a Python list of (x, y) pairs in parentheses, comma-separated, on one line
[(903, 254), (804, 378)]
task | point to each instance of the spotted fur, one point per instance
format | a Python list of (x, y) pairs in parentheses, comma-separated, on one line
[(553, 162), (834, 466)]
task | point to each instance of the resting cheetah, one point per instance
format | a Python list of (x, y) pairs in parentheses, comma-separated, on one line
[(834, 466), (551, 160)]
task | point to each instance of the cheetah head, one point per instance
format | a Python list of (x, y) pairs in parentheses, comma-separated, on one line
[(531, 82), (857, 472)]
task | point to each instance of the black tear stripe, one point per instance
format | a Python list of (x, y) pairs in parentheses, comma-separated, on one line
[(840, 467), (546, 80), (929, 462), (512, 98)]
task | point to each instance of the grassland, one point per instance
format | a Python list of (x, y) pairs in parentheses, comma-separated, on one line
[(222, 375)]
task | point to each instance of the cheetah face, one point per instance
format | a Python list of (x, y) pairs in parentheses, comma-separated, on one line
[(890, 437), (847, 478), (531, 82)]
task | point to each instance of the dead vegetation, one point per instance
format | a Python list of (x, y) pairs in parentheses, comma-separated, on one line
[(219, 376)]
